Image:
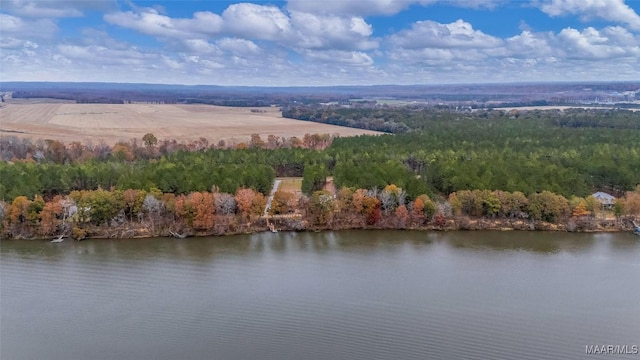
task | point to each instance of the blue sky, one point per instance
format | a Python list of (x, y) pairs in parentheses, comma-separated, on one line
[(320, 42)]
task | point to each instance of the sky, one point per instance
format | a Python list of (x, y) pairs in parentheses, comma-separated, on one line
[(319, 42)]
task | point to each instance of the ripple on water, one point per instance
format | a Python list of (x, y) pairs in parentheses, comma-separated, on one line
[(351, 295)]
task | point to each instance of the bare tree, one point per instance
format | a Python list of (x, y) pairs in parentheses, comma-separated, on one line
[(387, 200), (225, 204), (152, 205)]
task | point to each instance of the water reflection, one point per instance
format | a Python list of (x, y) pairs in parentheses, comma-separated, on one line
[(206, 249), (333, 295), (538, 242)]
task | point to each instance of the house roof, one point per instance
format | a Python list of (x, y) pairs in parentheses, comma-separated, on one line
[(604, 198)]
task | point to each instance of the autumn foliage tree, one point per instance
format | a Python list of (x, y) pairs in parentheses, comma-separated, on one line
[(51, 216), (402, 214), (371, 207), (19, 210), (321, 207), (249, 202), (578, 206), (429, 207), (344, 199), (256, 141), (204, 209), (282, 203), (244, 199), (632, 203), (133, 200), (417, 211), (183, 210), (358, 198), (55, 151), (122, 151)]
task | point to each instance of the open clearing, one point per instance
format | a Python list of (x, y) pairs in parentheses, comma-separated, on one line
[(111, 123), (291, 184)]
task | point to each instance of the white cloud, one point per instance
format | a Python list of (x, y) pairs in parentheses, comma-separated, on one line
[(295, 30), (476, 4), (200, 46), (331, 32), (376, 7), (172, 63), (351, 58), (149, 21), (256, 21), (100, 55), (11, 43), (590, 43), (91, 36), (430, 34), (530, 45), (54, 8), (435, 57), (610, 10), (612, 42), (360, 7), (240, 47), (13, 25), (311, 43), (458, 53)]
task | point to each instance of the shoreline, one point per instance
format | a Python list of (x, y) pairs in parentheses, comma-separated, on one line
[(462, 224)]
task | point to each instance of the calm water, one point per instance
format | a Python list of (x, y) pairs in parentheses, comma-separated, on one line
[(344, 295)]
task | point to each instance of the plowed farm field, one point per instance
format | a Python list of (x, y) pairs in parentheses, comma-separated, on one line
[(112, 123)]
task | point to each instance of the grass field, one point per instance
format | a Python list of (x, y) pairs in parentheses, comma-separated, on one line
[(113, 123), (291, 184)]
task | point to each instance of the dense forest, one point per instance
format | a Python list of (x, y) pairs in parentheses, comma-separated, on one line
[(537, 157), (570, 153)]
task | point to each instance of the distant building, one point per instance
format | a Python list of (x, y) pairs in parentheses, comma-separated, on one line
[(605, 199)]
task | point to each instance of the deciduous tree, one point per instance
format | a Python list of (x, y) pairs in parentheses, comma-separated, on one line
[(402, 214), (548, 206), (244, 199), (51, 216), (321, 207), (150, 140), (204, 210), (225, 204)]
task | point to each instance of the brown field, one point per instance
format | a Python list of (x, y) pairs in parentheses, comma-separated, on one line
[(112, 123)]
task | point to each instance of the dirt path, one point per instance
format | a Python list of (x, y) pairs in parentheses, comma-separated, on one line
[(276, 184)]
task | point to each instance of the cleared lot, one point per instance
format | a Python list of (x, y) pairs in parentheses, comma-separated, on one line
[(113, 123)]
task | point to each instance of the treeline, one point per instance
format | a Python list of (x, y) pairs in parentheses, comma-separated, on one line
[(528, 152), (361, 117), (16, 149), (179, 172), (135, 213), (532, 152), (172, 94), (420, 118)]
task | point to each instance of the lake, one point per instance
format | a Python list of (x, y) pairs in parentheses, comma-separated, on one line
[(331, 295)]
